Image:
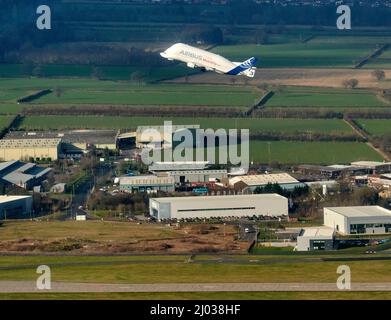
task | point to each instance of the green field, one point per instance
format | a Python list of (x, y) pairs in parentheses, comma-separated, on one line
[(107, 72), (177, 95), (376, 127), (378, 295), (383, 61), (300, 55), (175, 271), (292, 152), (5, 121), (255, 125), (325, 98), (86, 91)]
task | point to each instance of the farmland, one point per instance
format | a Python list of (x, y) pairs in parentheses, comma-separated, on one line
[(300, 55), (325, 98), (376, 127), (85, 91), (382, 61), (123, 73), (288, 152), (159, 95), (267, 125), (144, 270), (5, 121)]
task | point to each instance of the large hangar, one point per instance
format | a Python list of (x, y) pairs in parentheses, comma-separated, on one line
[(273, 205), (15, 207), (358, 219)]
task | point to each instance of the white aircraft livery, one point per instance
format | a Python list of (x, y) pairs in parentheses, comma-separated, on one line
[(195, 57)]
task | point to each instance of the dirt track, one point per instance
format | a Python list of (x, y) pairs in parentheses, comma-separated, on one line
[(297, 77)]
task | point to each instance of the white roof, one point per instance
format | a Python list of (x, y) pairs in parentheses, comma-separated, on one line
[(386, 175), (339, 166), (369, 163), (361, 211), (4, 199), (263, 179), (321, 183), (318, 232), (228, 197), (178, 165), (148, 179)]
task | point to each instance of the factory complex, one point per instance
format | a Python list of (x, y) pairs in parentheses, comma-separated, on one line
[(270, 205)]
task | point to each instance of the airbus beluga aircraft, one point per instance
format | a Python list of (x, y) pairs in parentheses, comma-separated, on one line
[(198, 58)]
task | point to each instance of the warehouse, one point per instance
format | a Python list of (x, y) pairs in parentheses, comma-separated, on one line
[(73, 142), (148, 183), (272, 205), (316, 238), (373, 167), (177, 166), (191, 176), (25, 149), (155, 136), (358, 220), (15, 207), (21, 174), (249, 183)]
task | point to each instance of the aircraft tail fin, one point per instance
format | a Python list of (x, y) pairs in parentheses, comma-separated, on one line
[(246, 67)]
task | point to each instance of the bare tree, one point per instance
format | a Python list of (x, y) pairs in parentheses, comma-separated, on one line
[(350, 83), (379, 75)]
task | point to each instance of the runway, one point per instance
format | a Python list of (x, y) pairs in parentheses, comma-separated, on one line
[(77, 287)]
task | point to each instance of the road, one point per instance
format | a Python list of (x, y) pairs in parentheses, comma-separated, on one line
[(77, 287)]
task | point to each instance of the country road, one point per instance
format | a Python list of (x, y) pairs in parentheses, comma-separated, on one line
[(76, 287)]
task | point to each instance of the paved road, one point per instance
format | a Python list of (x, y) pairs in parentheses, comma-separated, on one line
[(30, 286)]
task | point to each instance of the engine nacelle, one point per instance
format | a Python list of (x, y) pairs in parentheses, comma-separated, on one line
[(191, 65)]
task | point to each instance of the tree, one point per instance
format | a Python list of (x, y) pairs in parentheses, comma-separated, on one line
[(350, 83), (261, 36), (379, 75), (137, 76), (263, 86), (96, 73), (58, 92), (37, 71)]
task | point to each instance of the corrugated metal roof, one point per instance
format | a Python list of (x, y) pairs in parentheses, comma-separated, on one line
[(361, 211), (178, 165), (239, 197), (264, 179), (146, 180)]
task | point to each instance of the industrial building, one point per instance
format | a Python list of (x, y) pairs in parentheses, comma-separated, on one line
[(187, 171), (193, 176), (25, 149), (249, 183), (21, 174), (147, 183), (315, 238), (178, 166), (330, 172), (382, 181), (74, 143), (15, 207), (218, 206), (373, 167), (144, 136), (358, 220), (126, 140)]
